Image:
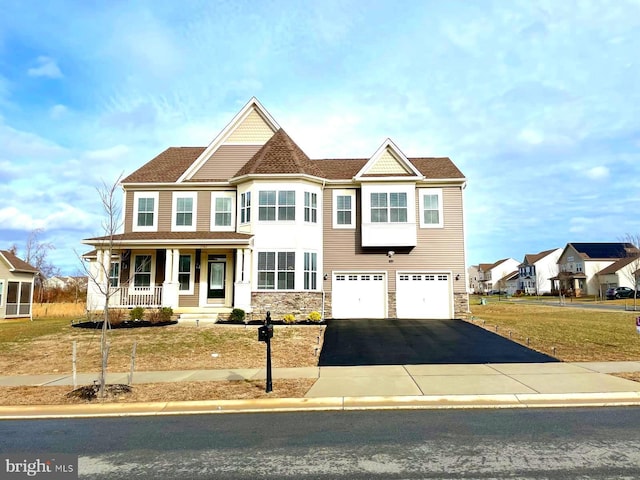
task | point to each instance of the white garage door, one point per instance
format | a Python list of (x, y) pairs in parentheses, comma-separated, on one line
[(359, 295), (423, 295)]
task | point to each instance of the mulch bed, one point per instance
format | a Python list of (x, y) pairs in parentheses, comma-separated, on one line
[(125, 324)]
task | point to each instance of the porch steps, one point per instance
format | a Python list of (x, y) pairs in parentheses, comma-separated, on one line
[(198, 318)]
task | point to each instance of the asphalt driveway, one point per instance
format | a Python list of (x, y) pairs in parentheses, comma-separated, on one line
[(413, 342)]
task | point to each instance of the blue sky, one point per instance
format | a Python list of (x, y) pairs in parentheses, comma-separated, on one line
[(537, 102)]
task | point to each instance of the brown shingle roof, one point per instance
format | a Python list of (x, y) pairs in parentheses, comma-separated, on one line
[(171, 236), (166, 167), (17, 264), (623, 262), (280, 155)]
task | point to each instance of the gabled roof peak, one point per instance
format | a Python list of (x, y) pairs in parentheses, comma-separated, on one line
[(388, 161)]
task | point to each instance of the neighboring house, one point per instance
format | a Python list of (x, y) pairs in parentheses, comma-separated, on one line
[(473, 277), (251, 222), (580, 263), (16, 286), (511, 282), (537, 270), (63, 282), (623, 273), (493, 275)]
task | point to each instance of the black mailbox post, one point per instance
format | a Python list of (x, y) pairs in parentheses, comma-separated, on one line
[(265, 333)]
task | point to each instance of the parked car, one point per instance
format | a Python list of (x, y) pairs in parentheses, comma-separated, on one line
[(620, 292)]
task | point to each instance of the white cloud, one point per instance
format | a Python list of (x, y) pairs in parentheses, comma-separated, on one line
[(597, 173), (531, 136), (47, 67), (112, 153), (58, 111)]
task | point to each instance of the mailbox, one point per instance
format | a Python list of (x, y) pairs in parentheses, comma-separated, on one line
[(265, 332)]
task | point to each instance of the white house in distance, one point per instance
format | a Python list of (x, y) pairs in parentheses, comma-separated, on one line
[(537, 270), (16, 286), (493, 276), (623, 273), (251, 222)]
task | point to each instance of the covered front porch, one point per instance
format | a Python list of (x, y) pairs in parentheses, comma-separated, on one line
[(571, 284), (212, 276)]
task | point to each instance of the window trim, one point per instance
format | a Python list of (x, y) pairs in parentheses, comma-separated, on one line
[(151, 273), (194, 212), (310, 275), (277, 206), (245, 207), (2, 283), (276, 271), (136, 200), (117, 277), (310, 207), (223, 228), (190, 290), (422, 193), (344, 193)]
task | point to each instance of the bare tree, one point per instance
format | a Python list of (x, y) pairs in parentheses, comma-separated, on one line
[(632, 270), (36, 254), (99, 276)]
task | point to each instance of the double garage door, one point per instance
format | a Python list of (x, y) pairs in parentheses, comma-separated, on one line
[(418, 295)]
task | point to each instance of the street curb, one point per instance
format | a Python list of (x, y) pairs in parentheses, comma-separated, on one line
[(429, 402)]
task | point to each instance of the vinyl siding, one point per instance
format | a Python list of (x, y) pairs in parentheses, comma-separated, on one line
[(226, 161), (165, 207), (203, 215), (437, 249)]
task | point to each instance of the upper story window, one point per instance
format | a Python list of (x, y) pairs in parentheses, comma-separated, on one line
[(310, 207), (184, 209), (431, 215), (222, 211), (283, 202), (245, 207), (389, 207), (145, 211), (344, 202)]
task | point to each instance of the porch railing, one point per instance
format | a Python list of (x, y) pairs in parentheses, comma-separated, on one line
[(135, 297)]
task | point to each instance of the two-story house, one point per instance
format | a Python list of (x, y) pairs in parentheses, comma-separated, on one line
[(580, 263), (17, 278), (494, 276), (536, 271), (251, 222)]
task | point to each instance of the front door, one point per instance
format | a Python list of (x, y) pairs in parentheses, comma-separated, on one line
[(217, 275)]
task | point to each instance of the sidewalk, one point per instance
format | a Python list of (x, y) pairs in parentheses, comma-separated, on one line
[(392, 386)]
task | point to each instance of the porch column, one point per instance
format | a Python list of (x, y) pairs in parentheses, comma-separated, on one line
[(242, 286), (170, 295)]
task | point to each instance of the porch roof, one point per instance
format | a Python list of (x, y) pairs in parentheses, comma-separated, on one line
[(171, 238)]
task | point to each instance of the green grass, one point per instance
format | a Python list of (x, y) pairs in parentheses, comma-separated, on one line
[(576, 334)]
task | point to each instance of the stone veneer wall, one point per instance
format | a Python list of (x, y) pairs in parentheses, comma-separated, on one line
[(300, 304), (461, 305)]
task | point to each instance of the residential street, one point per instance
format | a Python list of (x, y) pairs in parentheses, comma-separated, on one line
[(518, 443)]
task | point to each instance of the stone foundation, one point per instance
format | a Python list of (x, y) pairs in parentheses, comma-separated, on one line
[(300, 304)]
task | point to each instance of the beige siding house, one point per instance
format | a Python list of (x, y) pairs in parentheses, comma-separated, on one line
[(251, 222), (16, 286)]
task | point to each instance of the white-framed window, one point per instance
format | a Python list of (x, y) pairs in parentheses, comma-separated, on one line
[(282, 202), (276, 270), (310, 270), (431, 214), (114, 274), (344, 209), (245, 207), (310, 207), (222, 207), (185, 274), (145, 212), (142, 271), (185, 206), (389, 207)]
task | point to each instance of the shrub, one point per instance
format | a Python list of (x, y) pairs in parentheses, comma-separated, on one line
[(116, 316), (289, 318), (237, 315), (166, 313), (315, 316), (153, 316), (136, 313)]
